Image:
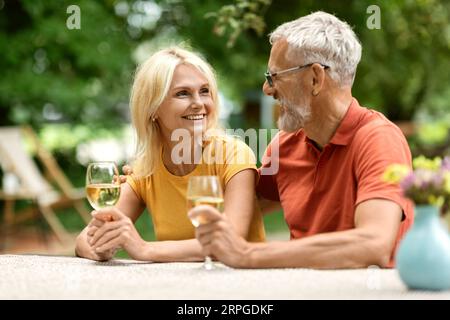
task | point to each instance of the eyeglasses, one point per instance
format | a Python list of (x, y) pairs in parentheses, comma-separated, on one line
[(269, 76)]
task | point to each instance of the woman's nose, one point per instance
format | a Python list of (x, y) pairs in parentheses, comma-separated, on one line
[(197, 102)]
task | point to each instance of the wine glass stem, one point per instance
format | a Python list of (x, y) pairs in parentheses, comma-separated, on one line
[(208, 265)]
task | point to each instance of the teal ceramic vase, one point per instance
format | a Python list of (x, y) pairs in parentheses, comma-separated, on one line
[(423, 258)]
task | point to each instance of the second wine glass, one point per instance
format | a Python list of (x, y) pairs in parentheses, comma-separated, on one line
[(204, 190)]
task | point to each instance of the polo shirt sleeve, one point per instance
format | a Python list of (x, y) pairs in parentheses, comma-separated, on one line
[(267, 185), (380, 146)]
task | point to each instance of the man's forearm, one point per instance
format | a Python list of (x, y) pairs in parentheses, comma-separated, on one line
[(337, 250)]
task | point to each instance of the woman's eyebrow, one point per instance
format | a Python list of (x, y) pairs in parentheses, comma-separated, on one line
[(189, 87)]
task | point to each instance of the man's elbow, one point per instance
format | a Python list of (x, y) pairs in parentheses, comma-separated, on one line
[(379, 254)]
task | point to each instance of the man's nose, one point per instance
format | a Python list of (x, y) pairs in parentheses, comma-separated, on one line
[(267, 89)]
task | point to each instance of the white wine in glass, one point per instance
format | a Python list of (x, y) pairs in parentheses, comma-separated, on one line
[(204, 190), (101, 190), (210, 201)]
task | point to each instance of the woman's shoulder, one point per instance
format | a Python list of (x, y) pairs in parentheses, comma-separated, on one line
[(231, 150), (229, 141), (137, 179)]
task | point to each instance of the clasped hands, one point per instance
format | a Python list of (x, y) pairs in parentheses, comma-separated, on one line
[(109, 230)]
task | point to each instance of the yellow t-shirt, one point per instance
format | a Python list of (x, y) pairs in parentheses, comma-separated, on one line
[(165, 194)]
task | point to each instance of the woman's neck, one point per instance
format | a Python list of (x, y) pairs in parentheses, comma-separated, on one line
[(187, 156)]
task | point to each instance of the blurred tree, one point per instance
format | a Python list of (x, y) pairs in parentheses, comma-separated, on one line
[(404, 66), (82, 77), (244, 15), (51, 73)]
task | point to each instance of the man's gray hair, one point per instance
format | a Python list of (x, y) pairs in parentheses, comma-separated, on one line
[(321, 37)]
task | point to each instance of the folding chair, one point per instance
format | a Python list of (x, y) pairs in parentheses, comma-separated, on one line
[(17, 162)]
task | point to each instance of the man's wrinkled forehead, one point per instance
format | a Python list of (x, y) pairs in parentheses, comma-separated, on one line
[(278, 59)]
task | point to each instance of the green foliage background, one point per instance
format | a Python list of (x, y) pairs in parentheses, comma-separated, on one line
[(84, 75), (80, 79)]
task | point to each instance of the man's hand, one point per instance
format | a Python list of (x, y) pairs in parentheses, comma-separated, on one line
[(126, 169), (219, 239), (111, 229)]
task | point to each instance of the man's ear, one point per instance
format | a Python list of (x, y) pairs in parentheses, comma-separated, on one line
[(318, 79)]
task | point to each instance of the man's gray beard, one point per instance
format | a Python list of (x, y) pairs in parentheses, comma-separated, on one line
[(294, 116)]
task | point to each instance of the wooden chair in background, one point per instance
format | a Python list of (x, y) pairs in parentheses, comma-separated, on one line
[(32, 185)]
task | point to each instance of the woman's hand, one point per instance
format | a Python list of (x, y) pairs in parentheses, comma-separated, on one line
[(84, 249), (111, 229)]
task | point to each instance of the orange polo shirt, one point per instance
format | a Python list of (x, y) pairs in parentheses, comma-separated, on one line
[(319, 190)]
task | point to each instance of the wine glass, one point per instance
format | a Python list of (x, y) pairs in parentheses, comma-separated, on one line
[(204, 190), (101, 190)]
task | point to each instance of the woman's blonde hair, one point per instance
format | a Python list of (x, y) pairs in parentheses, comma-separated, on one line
[(151, 85)]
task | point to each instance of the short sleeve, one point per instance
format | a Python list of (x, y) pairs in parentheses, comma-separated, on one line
[(137, 185), (377, 148), (267, 186), (237, 157)]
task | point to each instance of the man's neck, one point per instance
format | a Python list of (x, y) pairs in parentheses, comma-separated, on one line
[(326, 117)]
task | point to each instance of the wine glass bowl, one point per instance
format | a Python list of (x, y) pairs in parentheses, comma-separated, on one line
[(101, 190), (204, 190), (210, 201)]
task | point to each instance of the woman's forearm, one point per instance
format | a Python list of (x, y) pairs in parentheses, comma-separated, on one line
[(171, 251)]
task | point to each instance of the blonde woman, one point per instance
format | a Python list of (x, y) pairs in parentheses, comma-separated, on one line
[(174, 91)]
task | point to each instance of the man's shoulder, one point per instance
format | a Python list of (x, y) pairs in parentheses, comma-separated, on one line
[(375, 125), (377, 135)]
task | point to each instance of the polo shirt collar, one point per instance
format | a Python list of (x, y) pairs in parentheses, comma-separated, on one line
[(346, 130)]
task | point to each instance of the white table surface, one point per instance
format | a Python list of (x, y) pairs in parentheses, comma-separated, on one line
[(57, 277)]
